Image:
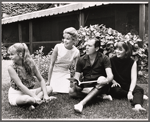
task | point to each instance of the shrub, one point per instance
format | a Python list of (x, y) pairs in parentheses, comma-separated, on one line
[(42, 61), (109, 37), (4, 52)]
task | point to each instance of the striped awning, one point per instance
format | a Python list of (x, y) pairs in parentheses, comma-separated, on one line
[(52, 11)]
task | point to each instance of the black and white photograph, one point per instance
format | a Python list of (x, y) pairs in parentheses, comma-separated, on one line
[(74, 61)]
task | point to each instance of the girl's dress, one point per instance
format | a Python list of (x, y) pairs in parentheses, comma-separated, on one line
[(27, 79), (61, 72)]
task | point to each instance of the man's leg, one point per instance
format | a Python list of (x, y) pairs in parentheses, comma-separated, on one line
[(93, 93)]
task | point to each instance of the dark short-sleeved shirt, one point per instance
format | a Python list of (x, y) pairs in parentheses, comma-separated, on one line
[(92, 72)]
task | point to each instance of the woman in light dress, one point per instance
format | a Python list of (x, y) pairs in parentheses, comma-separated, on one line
[(64, 55)]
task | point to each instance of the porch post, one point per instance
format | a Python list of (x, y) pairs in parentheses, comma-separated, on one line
[(81, 19), (142, 21), (20, 32), (30, 36)]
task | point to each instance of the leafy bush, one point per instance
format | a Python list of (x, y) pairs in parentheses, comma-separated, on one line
[(42, 61), (4, 52), (109, 37)]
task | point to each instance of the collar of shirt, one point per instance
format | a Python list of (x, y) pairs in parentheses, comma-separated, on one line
[(86, 57), (98, 55)]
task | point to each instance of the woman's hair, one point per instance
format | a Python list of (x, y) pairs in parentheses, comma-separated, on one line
[(127, 46), (27, 60), (72, 32)]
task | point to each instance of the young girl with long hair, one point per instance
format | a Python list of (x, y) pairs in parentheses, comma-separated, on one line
[(23, 74)]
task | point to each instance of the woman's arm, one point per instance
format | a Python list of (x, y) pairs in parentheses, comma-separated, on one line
[(16, 79), (133, 81), (41, 80), (53, 59), (133, 77), (75, 60)]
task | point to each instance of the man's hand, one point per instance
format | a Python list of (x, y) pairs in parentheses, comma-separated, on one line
[(102, 80)]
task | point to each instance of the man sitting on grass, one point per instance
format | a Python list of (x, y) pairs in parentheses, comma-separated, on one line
[(96, 69)]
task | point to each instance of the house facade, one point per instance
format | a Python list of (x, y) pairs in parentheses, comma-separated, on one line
[(45, 27)]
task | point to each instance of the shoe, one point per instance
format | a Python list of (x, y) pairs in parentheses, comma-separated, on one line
[(31, 107), (145, 97), (78, 108), (107, 97)]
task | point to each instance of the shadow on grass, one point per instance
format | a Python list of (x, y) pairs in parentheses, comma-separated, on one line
[(62, 108)]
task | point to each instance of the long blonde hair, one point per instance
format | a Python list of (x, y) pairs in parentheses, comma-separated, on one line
[(27, 60)]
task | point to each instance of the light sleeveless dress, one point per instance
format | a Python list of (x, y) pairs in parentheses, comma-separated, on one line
[(61, 72)]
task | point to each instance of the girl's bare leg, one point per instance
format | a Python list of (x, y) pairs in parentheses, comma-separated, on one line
[(39, 91), (25, 99)]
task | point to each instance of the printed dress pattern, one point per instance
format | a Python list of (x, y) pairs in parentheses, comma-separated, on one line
[(27, 79)]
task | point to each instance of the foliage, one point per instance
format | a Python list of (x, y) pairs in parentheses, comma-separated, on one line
[(13, 9), (4, 52), (42, 61), (108, 38)]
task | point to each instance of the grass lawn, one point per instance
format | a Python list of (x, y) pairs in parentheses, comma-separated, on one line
[(62, 107)]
